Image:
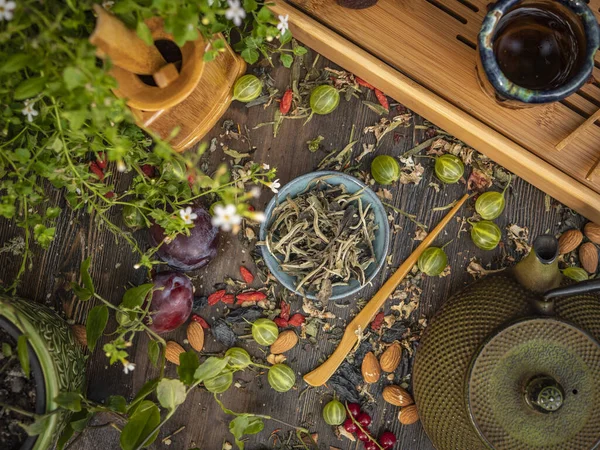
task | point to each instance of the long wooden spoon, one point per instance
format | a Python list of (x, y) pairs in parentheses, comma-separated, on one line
[(321, 374)]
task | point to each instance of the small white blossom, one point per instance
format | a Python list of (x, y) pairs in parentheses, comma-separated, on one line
[(275, 185), (29, 110), (6, 11), (128, 367), (107, 4), (265, 166), (283, 23), (235, 12), (255, 192), (187, 215), (259, 216), (226, 217), (121, 167)]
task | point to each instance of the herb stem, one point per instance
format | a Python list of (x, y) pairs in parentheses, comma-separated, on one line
[(411, 217), (17, 410)]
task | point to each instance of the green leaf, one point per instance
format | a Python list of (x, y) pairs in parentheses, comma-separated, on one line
[(285, 37), (146, 390), (30, 88), (80, 420), (52, 212), (73, 78), (143, 31), (153, 352), (250, 5), (84, 271), (16, 62), (65, 437), (39, 425), (117, 403), (23, 352), (82, 293), (264, 14), (95, 325), (69, 400), (255, 426), (170, 393), (250, 55), (6, 350), (286, 60), (145, 419), (299, 50), (237, 427), (134, 297), (188, 363), (210, 368)]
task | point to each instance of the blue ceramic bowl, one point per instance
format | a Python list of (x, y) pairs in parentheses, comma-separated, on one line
[(305, 183)]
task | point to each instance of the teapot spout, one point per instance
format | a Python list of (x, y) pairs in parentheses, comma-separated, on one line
[(539, 271)]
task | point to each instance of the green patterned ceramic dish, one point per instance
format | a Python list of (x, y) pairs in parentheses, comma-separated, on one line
[(57, 362)]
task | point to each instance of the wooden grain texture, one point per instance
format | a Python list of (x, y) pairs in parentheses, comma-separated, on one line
[(78, 236), (424, 57)]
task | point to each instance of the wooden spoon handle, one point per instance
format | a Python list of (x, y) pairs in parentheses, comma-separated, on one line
[(321, 374)]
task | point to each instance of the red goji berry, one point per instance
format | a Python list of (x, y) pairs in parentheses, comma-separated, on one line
[(216, 297), (196, 318), (383, 101), (97, 170), (148, 170), (281, 323), (251, 208), (191, 179), (377, 321), (228, 299), (362, 82), (285, 310), (246, 275), (252, 296), (110, 194), (286, 102), (296, 320), (101, 160)]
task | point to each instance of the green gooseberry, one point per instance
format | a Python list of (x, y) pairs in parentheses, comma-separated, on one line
[(490, 205), (575, 273), (247, 88), (449, 168), (265, 331), (133, 218), (433, 261), (385, 169), (324, 99), (486, 234), (281, 377), (239, 358), (334, 413), (220, 383)]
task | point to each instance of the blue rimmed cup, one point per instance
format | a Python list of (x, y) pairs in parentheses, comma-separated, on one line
[(535, 52), (305, 183)]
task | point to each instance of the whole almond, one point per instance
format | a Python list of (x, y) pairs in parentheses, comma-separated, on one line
[(592, 232), (371, 371), (397, 396), (408, 415), (588, 256), (284, 342), (195, 335), (390, 359), (173, 351), (569, 241), (79, 334)]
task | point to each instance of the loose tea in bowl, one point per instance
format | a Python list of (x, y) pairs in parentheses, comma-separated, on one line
[(326, 235)]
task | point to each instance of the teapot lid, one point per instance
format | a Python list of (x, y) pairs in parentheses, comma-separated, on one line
[(534, 384)]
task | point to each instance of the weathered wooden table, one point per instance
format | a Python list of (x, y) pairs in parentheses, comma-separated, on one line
[(78, 236)]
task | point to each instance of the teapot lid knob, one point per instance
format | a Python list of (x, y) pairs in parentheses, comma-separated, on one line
[(544, 394)]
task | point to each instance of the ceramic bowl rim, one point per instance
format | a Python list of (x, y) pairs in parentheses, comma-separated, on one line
[(307, 179)]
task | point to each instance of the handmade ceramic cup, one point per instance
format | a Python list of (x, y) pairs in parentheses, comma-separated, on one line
[(533, 52)]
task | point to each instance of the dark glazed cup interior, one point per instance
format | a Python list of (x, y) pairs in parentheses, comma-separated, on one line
[(506, 90)]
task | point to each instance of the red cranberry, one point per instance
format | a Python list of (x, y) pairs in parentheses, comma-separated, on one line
[(362, 436), (364, 419), (354, 409), (350, 426), (371, 445), (387, 440)]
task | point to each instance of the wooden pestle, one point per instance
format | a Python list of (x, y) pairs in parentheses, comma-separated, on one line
[(321, 374)]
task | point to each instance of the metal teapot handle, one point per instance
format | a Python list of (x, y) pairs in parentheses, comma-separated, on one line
[(583, 287)]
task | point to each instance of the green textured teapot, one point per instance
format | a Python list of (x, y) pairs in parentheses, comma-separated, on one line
[(513, 361)]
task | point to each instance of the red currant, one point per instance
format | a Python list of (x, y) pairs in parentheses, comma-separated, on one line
[(362, 436), (387, 440), (350, 426), (364, 419), (371, 445), (354, 409)]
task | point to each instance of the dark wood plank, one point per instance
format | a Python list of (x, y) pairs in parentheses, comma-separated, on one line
[(78, 236)]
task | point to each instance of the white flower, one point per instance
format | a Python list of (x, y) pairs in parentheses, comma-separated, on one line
[(255, 192), (283, 23), (6, 13), (187, 215), (275, 185), (266, 166), (259, 216), (121, 167), (226, 217), (235, 12), (127, 366), (29, 110)]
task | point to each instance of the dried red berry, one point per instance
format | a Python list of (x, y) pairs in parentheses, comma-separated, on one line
[(101, 160), (285, 310), (252, 296), (109, 194), (246, 275), (216, 297), (228, 299), (362, 82), (286, 102), (377, 321), (96, 170), (196, 318), (383, 101), (350, 426), (281, 323), (297, 320)]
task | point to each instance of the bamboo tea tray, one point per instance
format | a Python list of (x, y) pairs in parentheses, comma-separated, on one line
[(422, 53)]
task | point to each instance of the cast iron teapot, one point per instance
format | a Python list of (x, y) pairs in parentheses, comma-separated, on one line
[(513, 361)]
